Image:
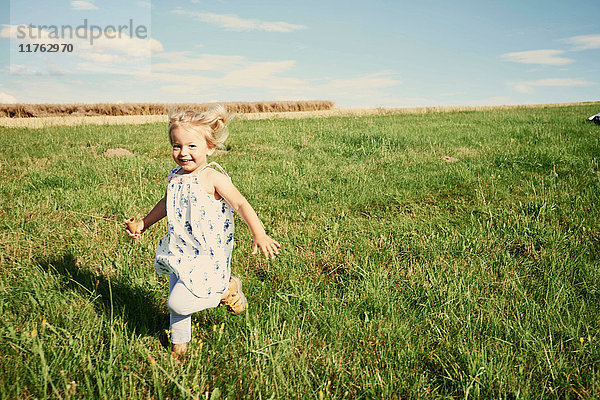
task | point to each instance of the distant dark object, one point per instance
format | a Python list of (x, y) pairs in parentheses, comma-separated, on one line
[(595, 118)]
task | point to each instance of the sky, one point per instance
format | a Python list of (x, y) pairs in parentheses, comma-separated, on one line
[(356, 53)]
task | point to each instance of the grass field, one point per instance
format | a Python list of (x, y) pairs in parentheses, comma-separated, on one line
[(400, 276)]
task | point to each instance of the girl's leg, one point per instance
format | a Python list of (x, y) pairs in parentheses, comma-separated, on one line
[(183, 304), (181, 325), (181, 328)]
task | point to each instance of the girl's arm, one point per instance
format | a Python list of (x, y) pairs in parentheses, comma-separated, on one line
[(229, 192), (156, 214)]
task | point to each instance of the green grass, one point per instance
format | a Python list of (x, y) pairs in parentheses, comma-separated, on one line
[(400, 275)]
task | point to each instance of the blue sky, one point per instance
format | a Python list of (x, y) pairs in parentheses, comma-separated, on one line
[(356, 53)]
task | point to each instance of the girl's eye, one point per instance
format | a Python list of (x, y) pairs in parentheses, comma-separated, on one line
[(192, 146), (175, 147)]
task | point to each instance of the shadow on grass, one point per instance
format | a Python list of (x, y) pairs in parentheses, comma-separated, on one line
[(136, 305)]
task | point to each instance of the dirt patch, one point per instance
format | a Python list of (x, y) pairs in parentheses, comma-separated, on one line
[(449, 159), (118, 152)]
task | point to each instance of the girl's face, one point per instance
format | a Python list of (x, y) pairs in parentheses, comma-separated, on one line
[(189, 149)]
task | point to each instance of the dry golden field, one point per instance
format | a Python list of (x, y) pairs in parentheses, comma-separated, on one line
[(105, 109)]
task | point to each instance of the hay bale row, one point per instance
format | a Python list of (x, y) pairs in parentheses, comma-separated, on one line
[(54, 110)]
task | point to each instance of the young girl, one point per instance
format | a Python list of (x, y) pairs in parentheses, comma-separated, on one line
[(199, 204)]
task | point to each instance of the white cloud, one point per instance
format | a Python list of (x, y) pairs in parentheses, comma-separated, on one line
[(365, 82), (366, 90), (263, 74), (49, 89), (182, 73), (31, 34), (584, 42), (8, 31), (236, 23), (542, 57), (527, 86), (223, 72), (372, 90), (122, 47), (54, 68), (155, 45), (19, 69), (185, 74), (451, 94), (181, 61), (6, 98), (83, 5), (178, 89)]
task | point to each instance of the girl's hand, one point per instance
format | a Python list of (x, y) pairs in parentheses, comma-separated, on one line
[(268, 245), (135, 229)]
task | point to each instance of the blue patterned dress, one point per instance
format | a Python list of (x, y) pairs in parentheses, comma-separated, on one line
[(197, 248)]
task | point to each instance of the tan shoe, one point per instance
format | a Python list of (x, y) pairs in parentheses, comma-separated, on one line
[(179, 350), (235, 301)]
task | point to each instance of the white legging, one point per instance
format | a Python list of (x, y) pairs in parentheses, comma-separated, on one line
[(183, 304)]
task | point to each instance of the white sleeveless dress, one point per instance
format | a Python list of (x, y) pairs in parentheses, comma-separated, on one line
[(197, 248)]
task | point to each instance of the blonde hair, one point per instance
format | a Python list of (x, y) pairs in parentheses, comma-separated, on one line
[(211, 123)]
